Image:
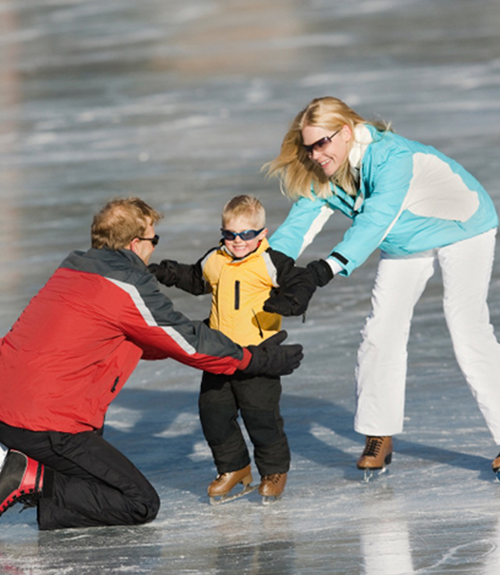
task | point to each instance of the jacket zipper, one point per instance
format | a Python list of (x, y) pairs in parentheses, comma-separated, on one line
[(113, 389), (237, 294), (261, 333)]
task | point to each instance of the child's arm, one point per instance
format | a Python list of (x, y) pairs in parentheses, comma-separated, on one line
[(183, 276), (296, 286)]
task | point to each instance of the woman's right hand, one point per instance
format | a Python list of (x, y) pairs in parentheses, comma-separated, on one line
[(321, 272)]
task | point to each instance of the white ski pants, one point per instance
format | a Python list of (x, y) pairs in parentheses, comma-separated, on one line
[(382, 357)]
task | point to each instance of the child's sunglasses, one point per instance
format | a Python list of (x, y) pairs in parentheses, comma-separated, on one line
[(246, 236)]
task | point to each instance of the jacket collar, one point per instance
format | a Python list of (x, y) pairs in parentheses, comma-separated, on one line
[(362, 139)]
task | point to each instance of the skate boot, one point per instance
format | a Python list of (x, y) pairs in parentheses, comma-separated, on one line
[(219, 489), (495, 465), (376, 455), (21, 480), (272, 486)]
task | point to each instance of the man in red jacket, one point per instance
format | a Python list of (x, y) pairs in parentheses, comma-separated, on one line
[(70, 353)]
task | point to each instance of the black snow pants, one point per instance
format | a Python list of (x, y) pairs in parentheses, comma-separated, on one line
[(87, 481), (257, 399)]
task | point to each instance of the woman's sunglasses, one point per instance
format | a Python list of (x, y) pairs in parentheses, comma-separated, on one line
[(246, 236), (320, 144)]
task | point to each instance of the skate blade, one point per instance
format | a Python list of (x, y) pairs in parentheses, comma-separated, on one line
[(231, 497), (270, 499), (370, 474)]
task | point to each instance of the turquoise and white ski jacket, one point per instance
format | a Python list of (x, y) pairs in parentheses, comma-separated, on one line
[(411, 198)]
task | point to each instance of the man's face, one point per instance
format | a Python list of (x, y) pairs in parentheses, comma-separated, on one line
[(144, 248)]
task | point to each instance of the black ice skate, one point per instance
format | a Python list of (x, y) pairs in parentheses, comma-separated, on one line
[(21, 480), (219, 490)]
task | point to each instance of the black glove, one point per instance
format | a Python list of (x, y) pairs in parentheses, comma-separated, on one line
[(283, 304), (293, 297), (290, 302), (321, 272), (166, 272), (272, 359)]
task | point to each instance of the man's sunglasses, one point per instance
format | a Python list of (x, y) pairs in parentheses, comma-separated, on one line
[(154, 240), (246, 236), (320, 144)]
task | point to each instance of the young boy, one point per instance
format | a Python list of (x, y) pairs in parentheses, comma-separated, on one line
[(241, 274)]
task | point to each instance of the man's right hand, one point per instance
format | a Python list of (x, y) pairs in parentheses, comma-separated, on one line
[(273, 359)]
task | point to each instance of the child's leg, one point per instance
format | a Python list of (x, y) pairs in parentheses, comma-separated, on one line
[(218, 416), (258, 399)]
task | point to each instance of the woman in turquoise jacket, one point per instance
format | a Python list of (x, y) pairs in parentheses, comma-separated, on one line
[(418, 207)]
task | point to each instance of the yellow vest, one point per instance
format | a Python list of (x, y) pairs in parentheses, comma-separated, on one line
[(239, 290)]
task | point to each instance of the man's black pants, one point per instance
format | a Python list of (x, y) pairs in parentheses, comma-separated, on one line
[(257, 399), (87, 481)]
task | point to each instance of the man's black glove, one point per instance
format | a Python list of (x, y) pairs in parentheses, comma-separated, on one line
[(321, 272), (166, 272), (272, 359)]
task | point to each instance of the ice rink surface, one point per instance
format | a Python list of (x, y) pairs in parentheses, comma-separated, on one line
[(181, 103)]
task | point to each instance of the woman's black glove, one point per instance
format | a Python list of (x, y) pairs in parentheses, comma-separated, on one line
[(284, 304), (321, 272), (292, 298), (272, 359)]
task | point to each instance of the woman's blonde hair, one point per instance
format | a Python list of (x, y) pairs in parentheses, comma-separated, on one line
[(295, 169), (120, 221), (244, 206)]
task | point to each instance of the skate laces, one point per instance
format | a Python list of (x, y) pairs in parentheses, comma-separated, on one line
[(28, 498), (274, 478), (28, 501), (373, 447)]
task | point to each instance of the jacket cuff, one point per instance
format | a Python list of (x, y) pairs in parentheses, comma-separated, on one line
[(247, 357)]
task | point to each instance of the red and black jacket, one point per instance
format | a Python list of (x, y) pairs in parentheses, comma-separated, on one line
[(79, 339)]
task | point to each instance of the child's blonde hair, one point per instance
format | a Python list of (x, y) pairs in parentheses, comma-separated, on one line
[(247, 206)]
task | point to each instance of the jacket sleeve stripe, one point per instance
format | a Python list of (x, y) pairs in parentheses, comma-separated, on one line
[(316, 226), (271, 268), (148, 317)]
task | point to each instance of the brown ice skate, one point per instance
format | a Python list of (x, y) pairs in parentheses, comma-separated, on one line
[(495, 465), (272, 486), (376, 455), (220, 488)]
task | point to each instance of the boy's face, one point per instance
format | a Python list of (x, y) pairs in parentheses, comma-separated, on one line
[(240, 248)]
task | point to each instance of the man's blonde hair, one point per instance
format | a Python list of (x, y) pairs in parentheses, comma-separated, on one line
[(246, 206), (120, 221)]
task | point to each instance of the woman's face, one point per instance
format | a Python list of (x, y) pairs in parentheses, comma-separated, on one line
[(326, 148)]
